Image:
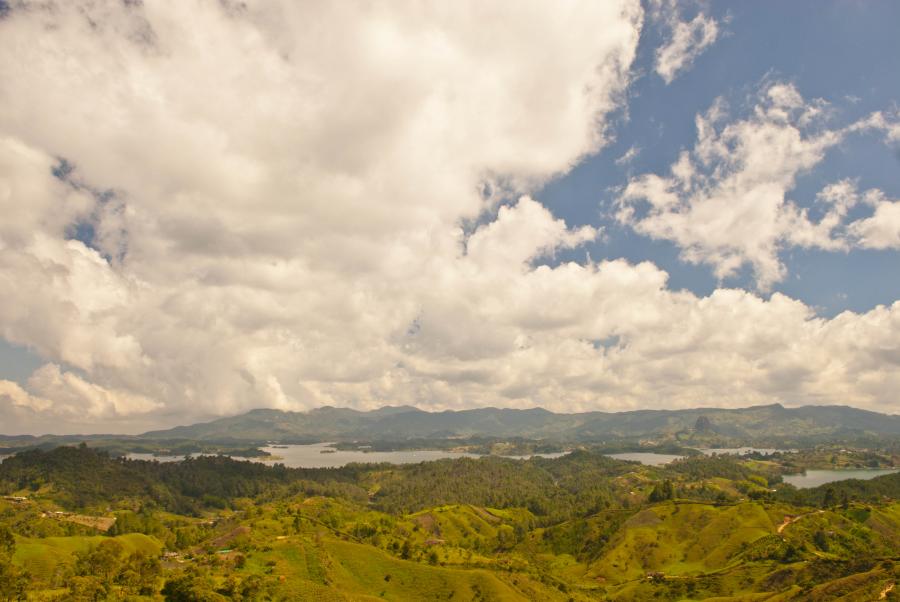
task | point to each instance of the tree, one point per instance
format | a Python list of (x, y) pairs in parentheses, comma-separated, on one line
[(506, 537), (7, 541), (790, 554), (662, 491), (13, 581), (668, 489), (830, 499), (88, 588), (821, 540), (253, 588), (192, 586), (103, 561), (140, 573)]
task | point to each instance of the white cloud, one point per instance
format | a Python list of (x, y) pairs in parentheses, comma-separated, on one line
[(67, 395), (726, 203), (628, 156), (521, 233), (289, 219), (282, 177), (881, 230), (12, 394), (60, 295), (889, 124), (76, 397), (687, 40)]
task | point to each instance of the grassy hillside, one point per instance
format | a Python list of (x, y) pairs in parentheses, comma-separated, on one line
[(49, 557), (357, 572), (580, 527), (683, 539)]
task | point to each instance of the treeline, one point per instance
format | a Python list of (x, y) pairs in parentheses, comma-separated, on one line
[(82, 477), (494, 482), (577, 484), (708, 467), (79, 476)]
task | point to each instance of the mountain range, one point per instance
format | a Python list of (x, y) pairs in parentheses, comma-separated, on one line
[(766, 425), (758, 423)]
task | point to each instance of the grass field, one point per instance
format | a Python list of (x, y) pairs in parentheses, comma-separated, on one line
[(327, 568), (682, 539), (43, 557)]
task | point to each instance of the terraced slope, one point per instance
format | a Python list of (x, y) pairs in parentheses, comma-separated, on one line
[(45, 556)]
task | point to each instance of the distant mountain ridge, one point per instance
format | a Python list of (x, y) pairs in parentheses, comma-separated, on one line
[(406, 422)]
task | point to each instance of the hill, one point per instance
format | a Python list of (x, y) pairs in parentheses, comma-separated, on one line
[(579, 527), (773, 424)]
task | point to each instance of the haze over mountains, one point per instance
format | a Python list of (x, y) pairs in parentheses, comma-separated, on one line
[(766, 425), (406, 422)]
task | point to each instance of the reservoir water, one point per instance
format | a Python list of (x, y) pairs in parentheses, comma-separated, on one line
[(814, 478), (740, 451), (657, 459), (322, 455), (648, 458)]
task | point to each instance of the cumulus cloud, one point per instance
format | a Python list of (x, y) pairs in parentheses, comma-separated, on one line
[(881, 229), (686, 39), (520, 233), (612, 335), (58, 401), (73, 395), (266, 187), (13, 395), (218, 207), (726, 204)]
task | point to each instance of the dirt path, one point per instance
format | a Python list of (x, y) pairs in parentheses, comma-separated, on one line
[(787, 520), (223, 540), (793, 519), (887, 589)]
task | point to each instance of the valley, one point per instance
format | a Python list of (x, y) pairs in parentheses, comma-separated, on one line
[(579, 526)]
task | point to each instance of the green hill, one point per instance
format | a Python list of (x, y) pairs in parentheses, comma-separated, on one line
[(44, 557), (579, 527)]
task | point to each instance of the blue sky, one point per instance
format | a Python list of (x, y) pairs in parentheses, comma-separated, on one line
[(844, 53), (579, 205)]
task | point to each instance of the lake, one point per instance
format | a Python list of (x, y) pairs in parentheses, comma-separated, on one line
[(311, 456), (740, 451), (549, 455), (321, 455), (814, 478), (143, 456), (648, 458)]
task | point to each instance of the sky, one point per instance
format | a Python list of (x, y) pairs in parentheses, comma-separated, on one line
[(210, 207)]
